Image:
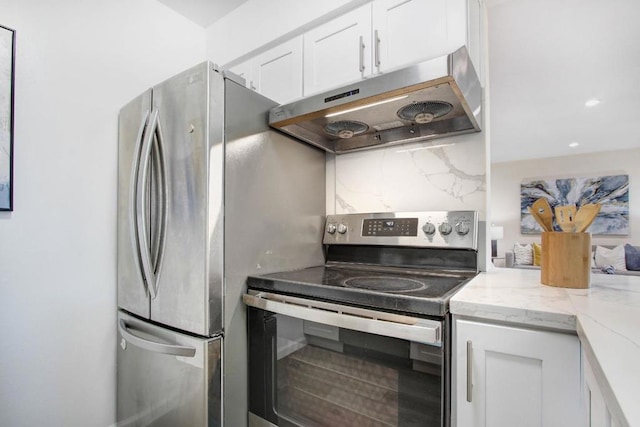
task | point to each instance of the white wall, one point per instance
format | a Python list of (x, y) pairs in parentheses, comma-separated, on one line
[(77, 63), (505, 190), (258, 23)]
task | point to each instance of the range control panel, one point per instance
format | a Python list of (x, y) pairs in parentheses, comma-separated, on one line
[(390, 227), (441, 229)]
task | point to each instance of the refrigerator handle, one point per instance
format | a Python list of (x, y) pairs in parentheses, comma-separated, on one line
[(141, 204), (133, 192), (156, 347), (158, 254)]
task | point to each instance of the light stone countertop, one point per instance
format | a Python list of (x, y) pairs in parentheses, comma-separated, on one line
[(606, 318)]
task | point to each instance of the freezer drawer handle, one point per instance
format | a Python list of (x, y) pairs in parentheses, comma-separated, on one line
[(156, 347)]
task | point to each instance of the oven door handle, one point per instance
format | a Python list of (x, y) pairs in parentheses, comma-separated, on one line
[(414, 329)]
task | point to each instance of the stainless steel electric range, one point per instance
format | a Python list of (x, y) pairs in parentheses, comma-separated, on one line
[(364, 339)]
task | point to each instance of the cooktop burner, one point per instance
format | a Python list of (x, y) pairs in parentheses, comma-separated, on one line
[(408, 292), (385, 284)]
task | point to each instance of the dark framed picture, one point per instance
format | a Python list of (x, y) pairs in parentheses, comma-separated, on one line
[(7, 68)]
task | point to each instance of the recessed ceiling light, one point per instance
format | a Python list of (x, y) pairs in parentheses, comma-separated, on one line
[(592, 102), (574, 144)]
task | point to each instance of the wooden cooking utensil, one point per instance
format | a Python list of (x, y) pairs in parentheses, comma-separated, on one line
[(585, 216), (539, 220), (565, 216), (545, 214)]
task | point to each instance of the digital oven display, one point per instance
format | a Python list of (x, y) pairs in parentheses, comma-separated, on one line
[(390, 227)]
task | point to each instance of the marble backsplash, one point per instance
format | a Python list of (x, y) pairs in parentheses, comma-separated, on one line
[(443, 174)]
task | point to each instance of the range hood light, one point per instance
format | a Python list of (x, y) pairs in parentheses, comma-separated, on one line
[(362, 107)]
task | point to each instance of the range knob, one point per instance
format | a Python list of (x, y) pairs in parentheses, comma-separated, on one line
[(428, 228), (342, 228), (445, 228), (462, 228), (331, 228)]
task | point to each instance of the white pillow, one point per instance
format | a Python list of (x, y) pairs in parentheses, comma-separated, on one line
[(523, 254), (614, 257)]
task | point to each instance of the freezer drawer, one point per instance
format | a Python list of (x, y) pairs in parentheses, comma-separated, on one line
[(166, 378)]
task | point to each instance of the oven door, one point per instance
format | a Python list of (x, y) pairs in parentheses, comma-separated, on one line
[(313, 363)]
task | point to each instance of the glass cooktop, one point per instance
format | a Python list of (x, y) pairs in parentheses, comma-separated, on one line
[(398, 290)]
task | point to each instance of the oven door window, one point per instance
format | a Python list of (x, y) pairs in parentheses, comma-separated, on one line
[(309, 374)]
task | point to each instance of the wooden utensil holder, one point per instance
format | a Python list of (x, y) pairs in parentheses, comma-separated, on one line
[(566, 260)]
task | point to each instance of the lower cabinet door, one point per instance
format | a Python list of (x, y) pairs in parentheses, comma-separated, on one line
[(597, 411), (506, 376)]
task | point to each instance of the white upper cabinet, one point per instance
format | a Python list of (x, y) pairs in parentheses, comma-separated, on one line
[(506, 376), (244, 71), (475, 28), (375, 38), (409, 31), (277, 73), (338, 52)]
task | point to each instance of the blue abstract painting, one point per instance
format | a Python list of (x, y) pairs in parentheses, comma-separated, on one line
[(611, 192)]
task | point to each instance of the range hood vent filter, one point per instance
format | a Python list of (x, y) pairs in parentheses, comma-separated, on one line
[(345, 129), (424, 112)]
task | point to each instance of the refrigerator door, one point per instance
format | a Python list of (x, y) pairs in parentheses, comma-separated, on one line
[(133, 294), (189, 277), (165, 378)]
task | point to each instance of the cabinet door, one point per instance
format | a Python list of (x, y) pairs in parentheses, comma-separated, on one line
[(409, 31), (505, 376), (475, 18), (598, 413), (244, 71), (338, 52), (277, 73)]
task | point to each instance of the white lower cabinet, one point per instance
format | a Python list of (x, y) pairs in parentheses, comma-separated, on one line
[(506, 376), (598, 413)]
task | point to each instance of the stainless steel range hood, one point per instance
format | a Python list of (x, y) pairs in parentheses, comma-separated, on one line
[(434, 99)]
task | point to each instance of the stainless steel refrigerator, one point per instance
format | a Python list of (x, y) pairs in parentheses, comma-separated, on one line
[(207, 194)]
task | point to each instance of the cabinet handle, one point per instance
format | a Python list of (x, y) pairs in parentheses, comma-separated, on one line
[(469, 370), (377, 48), (361, 50)]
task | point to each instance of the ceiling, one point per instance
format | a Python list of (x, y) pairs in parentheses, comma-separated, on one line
[(546, 59), (203, 12)]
